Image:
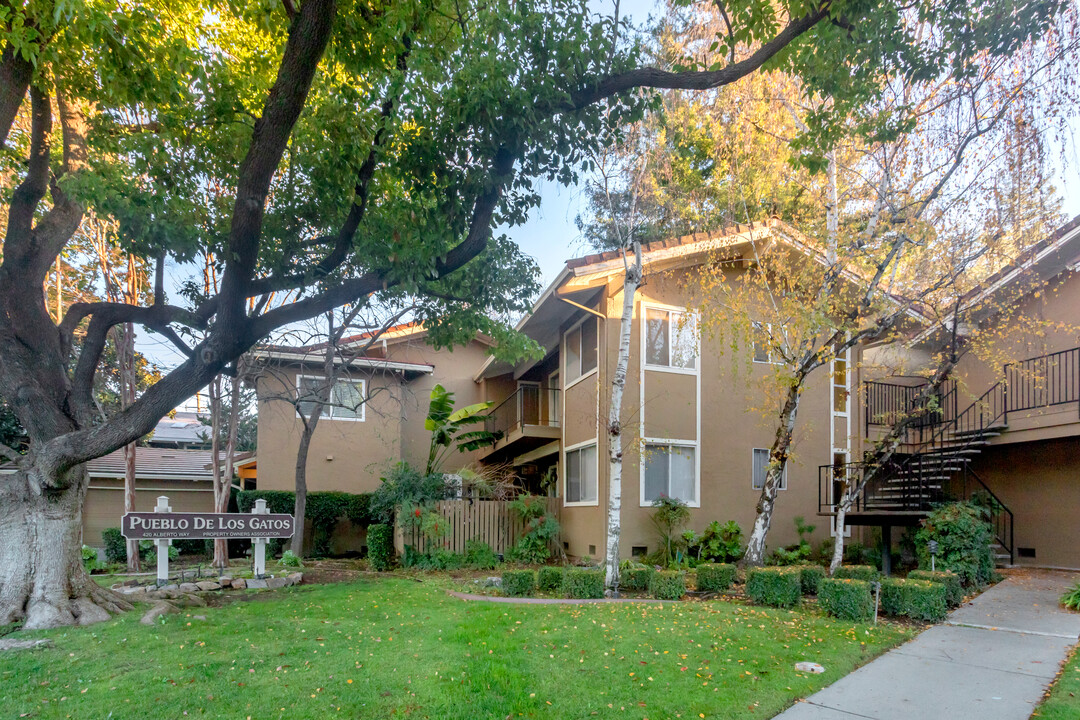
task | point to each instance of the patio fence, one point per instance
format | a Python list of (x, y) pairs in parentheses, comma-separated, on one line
[(490, 521)]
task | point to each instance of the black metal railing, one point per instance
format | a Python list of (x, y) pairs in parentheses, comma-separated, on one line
[(1044, 381), (528, 405), (888, 404)]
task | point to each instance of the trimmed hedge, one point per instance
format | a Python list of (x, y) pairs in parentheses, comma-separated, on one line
[(549, 578), (869, 573), (115, 545), (715, 577), (774, 586), (380, 544), (954, 591), (810, 577), (583, 583), (916, 599), (518, 583), (846, 599), (323, 511), (195, 547), (667, 585), (636, 578)]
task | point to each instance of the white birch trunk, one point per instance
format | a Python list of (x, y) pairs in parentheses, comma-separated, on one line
[(615, 447), (841, 517)]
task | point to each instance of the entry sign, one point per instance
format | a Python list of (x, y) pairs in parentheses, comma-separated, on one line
[(204, 526)]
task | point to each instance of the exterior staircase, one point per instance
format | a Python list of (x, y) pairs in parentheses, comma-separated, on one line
[(934, 462)]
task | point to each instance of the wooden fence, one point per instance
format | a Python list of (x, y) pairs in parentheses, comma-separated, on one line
[(490, 521)]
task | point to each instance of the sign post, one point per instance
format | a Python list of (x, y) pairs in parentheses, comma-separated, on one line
[(259, 544), (162, 545)]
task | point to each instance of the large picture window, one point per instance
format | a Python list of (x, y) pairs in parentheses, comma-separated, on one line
[(347, 397), (761, 468), (581, 475), (581, 350), (670, 338), (670, 470)]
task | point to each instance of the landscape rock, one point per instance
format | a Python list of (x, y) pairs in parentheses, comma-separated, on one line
[(207, 585), (256, 584), (162, 608), (133, 590), (189, 587), (198, 617), (296, 578), (239, 584), (810, 667), (277, 582), (190, 601), (12, 644), (225, 582)]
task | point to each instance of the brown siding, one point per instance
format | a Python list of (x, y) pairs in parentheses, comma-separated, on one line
[(105, 507)]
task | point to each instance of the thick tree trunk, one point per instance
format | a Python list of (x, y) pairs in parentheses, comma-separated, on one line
[(42, 578), (778, 457), (615, 449)]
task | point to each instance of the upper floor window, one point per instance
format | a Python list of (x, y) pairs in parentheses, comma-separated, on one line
[(346, 401), (581, 350), (762, 340), (670, 338), (761, 469), (670, 470)]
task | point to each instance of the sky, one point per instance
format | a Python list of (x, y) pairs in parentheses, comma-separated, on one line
[(551, 237)]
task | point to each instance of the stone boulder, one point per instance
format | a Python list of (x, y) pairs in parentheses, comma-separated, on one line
[(189, 587), (207, 585), (225, 582), (239, 584), (254, 584)]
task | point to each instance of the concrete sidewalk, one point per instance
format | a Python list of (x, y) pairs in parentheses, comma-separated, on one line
[(991, 660)]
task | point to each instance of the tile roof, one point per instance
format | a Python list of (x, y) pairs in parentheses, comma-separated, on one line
[(151, 462)]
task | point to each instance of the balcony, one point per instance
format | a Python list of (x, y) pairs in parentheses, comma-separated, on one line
[(527, 419)]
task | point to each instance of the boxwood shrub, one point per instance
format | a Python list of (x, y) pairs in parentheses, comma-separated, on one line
[(775, 586), (380, 544), (810, 576), (583, 583), (916, 599), (846, 599), (115, 545), (518, 583), (549, 578), (715, 577), (954, 591), (636, 578), (667, 585), (868, 573)]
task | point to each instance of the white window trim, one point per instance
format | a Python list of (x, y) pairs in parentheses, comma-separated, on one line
[(783, 480), (677, 443), (562, 354), (566, 475), (330, 406), (753, 358), (645, 307)]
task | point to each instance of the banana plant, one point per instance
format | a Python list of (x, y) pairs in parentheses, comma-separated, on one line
[(449, 427)]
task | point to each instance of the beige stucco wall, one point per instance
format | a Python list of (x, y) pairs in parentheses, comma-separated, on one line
[(1040, 483)]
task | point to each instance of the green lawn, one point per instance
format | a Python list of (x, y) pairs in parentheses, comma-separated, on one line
[(1064, 700), (398, 647)]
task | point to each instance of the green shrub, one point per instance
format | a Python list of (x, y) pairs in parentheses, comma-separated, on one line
[(670, 515), (1071, 598), (549, 578), (916, 599), (667, 584), (115, 545), (846, 599), (636, 577), (583, 583), (148, 551), (718, 543), (406, 486), (288, 559), (774, 586), (796, 554), (541, 528), (479, 555), (322, 511), (810, 576), (954, 591), (869, 573), (715, 577), (380, 543), (964, 536), (518, 583), (90, 558), (194, 547)]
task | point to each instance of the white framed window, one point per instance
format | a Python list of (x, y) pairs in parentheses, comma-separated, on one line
[(670, 470), (839, 377), (347, 397), (670, 338), (761, 469), (762, 343), (581, 469), (581, 350)]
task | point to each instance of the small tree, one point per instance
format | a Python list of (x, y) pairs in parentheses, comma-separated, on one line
[(449, 427)]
